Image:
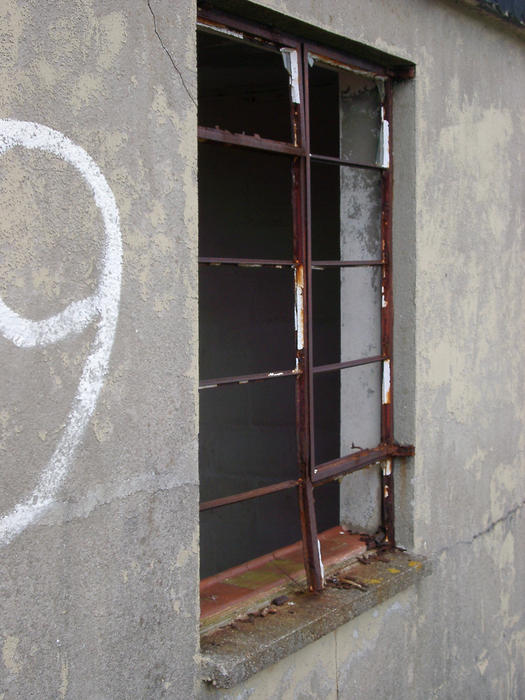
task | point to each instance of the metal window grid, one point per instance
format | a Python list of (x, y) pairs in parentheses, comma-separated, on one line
[(310, 474)]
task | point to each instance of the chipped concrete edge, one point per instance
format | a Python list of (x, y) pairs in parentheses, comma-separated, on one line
[(227, 669)]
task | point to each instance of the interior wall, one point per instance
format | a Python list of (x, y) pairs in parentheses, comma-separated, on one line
[(361, 200)]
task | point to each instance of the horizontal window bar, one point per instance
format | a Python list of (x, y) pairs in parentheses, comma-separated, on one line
[(340, 161), (207, 133), (254, 31), (337, 59), (246, 378), (351, 463), (247, 495), (351, 363), (346, 263), (246, 262)]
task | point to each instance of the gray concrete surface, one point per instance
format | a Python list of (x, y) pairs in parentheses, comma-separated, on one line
[(98, 596), (98, 593), (234, 653)]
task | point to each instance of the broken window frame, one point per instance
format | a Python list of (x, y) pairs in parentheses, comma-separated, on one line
[(310, 474)]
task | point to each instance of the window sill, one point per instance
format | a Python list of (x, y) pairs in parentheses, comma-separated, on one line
[(250, 586), (232, 654)]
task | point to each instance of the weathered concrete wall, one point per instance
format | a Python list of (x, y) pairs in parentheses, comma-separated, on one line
[(98, 592), (459, 245)]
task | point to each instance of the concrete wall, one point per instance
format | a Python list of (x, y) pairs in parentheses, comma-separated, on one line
[(98, 586), (98, 593)]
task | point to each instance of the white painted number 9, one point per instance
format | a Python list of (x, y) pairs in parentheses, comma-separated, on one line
[(103, 306)]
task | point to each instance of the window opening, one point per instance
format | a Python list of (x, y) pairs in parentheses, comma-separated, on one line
[(295, 189)]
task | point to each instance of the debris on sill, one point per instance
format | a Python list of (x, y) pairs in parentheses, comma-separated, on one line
[(233, 653)]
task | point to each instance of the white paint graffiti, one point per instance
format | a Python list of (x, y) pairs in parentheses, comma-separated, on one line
[(103, 305)]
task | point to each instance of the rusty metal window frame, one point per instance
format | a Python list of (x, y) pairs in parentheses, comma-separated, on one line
[(310, 475)]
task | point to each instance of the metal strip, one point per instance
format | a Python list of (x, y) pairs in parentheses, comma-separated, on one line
[(330, 160), (320, 264), (246, 378), (247, 495), (344, 365), (387, 329), (337, 59), (306, 495), (207, 133), (246, 262), (255, 31), (334, 469)]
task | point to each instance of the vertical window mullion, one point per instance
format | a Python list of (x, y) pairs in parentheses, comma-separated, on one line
[(311, 549), (387, 317)]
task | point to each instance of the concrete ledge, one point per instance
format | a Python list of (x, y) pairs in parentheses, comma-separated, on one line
[(232, 654), (253, 585)]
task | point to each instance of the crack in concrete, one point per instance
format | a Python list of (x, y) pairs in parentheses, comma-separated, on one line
[(62, 512), (507, 516), (168, 54)]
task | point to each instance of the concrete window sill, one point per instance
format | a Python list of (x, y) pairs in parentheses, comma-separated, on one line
[(251, 586), (232, 654)]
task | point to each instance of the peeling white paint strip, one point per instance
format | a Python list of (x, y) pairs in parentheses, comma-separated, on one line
[(220, 30), (292, 66), (386, 382), (387, 467), (320, 559), (299, 306), (104, 304), (315, 58), (383, 154)]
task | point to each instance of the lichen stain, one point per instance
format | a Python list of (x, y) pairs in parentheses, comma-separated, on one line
[(472, 139), (64, 678), (88, 86), (162, 108), (111, 38), (102, 427), (4, 432), (162, 304), (10, 654), (482, 662), (33, 281), (504, 556), (97, 41), (475, 143), (157, 214), (183, 557), (13, 19), (505, 481), (47, 72), (46, 283)]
